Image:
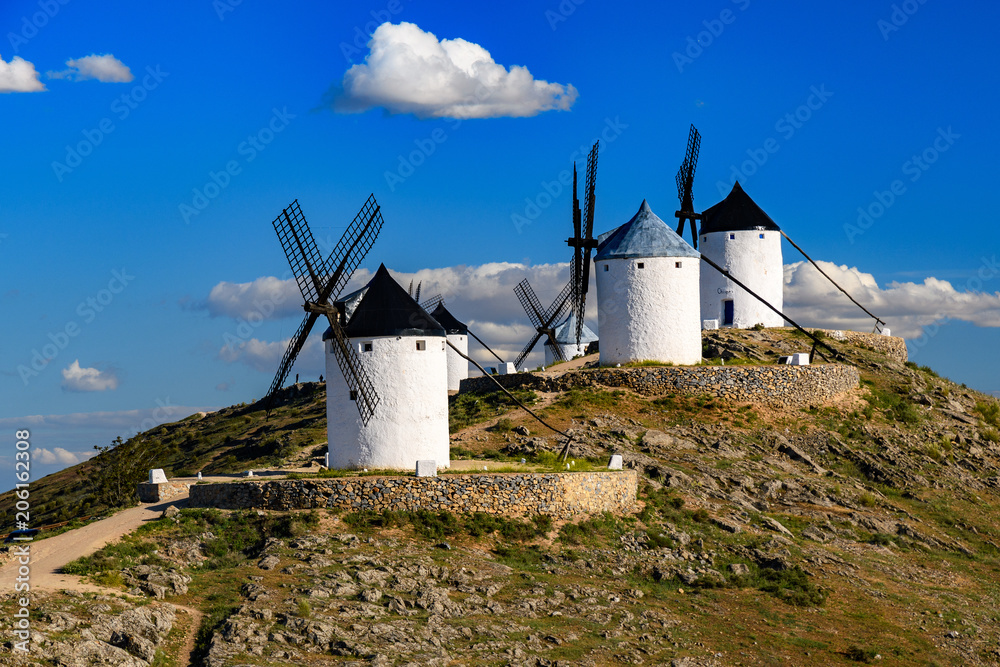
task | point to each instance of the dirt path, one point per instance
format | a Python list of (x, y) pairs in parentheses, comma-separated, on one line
[(187, 648), (48, 556)]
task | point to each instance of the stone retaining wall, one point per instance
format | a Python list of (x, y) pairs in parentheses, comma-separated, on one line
[(891, 346), (154, 493), (561, 495), (772, 384)]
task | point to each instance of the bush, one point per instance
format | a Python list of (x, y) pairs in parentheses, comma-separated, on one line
[(989, 411), (791, 586), (858, 654)]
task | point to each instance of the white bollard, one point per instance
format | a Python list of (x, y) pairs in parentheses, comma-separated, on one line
[(616, 462), (157, 476)]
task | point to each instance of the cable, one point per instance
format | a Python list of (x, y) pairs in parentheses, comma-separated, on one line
[(816, 341), (794, 245), (569, 438)]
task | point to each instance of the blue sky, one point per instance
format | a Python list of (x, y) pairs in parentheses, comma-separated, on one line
[(821, 110)]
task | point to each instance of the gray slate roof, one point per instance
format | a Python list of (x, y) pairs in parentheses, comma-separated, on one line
[(645, 235), (565, 332)]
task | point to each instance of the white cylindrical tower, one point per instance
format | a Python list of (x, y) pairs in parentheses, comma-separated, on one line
[(737, 235), (565, 335), (647, 293), (402, 349), (458, 335)]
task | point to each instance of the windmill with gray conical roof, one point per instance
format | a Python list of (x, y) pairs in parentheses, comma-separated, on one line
[(647, 293)]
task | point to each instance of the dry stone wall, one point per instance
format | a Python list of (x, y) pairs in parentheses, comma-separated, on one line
[(891, 346), (773, 384), (560, 495), (154, 493)]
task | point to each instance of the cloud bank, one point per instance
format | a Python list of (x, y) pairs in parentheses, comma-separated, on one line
[(105, 68), (19, 76), (409, 70), (482, 297), (907, 307), (76, 378)]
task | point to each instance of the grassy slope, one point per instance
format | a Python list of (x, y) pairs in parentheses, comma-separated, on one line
[(227, 441), (909, 449)]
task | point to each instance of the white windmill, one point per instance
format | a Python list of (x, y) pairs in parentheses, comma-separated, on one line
[(739, 236), (647, 293)]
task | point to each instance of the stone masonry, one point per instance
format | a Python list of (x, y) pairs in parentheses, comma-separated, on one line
[(560, 495), (154, 493), (774, 385)]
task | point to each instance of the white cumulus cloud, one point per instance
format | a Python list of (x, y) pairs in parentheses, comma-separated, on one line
[(482, 296), (76, 378), (264, 298), (907, 307), (105, 68), (19, 76), (60, 456), (265, 356), (409, 70)]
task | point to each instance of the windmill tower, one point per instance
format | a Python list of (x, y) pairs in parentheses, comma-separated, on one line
[(404, 350), (647, 293), (573, 342), (573, 296), (739, 236), (458, 335)]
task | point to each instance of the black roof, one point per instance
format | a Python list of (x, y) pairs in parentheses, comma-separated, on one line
[(737, 212), (448, 321), (387, 310)]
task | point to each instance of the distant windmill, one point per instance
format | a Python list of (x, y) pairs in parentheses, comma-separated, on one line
[(685, 181), (574, 295), (415, 297), (321, 281)]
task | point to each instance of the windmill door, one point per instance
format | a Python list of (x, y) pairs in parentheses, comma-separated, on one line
[(727, 312)]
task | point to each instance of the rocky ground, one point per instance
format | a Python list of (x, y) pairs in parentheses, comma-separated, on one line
[(862, 530)]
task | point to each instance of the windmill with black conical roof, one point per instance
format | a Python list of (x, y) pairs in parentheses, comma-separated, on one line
[(738, 235), (403, 348)]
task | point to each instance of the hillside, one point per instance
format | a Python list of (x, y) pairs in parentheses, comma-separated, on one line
[(860, 529)]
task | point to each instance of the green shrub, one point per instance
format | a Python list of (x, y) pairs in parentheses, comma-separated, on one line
[(791, 586), (109, 579), (989, 411), (503, 425), (858, 654), (302, 608), (883, 540)]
